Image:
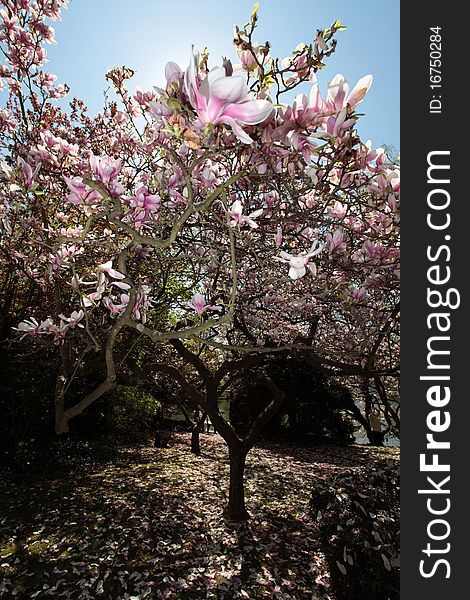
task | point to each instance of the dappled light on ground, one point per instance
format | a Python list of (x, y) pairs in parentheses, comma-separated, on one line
[(148, 524)]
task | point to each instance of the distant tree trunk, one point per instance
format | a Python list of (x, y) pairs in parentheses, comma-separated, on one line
[(368, 403), (235, 509), (196, 423), (195, 443), (195, 431), (391, 416)]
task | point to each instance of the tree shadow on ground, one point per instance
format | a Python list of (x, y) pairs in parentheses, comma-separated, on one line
[(149, 522), (353, 455)]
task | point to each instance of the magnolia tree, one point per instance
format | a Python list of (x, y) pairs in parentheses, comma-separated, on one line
[(253, 225)]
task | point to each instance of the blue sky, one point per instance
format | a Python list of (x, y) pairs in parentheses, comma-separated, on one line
[(95, 35)]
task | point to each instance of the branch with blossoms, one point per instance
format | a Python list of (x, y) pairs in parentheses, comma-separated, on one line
[(23, 33), (223, 207)]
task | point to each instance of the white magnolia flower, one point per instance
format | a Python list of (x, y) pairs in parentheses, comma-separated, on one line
[(237, 217), (298, 263), (74, 319)]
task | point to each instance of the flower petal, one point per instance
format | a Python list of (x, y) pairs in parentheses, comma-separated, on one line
[(121, 285), (222, 93), (227, 89), (360, 90), (297, 273), (196, 98), (337, 91), (236, 208), (237, 129), (172, 72), (250, 112)]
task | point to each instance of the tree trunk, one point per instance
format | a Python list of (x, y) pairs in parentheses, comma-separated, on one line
[(391, 416), (235, 510), (368, 403), (195, 444), (359, 417), (195, 431)]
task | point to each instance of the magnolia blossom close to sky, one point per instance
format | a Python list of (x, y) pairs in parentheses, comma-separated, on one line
[(366, 46)]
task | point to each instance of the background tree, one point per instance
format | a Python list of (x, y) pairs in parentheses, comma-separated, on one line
[(313, 409)]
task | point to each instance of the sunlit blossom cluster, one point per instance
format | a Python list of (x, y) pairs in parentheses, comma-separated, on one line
[(214, 197)]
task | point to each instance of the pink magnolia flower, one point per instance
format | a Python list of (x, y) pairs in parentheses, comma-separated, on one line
[(40, 153), (143, 204), (116, 309), (303, 114), (208, 176), (173, 74), (142, 251), (246, 58), (48, 327), (335, 241), (298, 64), (358, 294), (368, 156), (90, 299), (103, 270), (107, 268), (59, 91), (372, 249), (80, 192), (237, 217), (332, 113), (56, 263), (271, 198), (339, 210), (7, 121), (160, 109), (302, 143), (392, 203), (337, 124), (47, 79), (121, 285), (221, 99), (298, 263), (76, 282), (309, 199), (143, 98), (198, 303), (142, 304), (32, 327), (49, 140), (393, 179), (143, 199), (28, 173), (338, 88), (105, 168), (9, 22)]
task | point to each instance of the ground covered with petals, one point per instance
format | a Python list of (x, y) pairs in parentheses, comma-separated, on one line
[(146, 523)]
